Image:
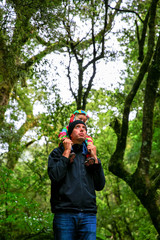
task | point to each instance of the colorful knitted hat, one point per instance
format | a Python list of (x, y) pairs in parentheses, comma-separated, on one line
[(73, 124), (72, 118)]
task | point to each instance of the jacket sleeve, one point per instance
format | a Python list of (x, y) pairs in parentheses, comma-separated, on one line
[(63, 134), (89, 140), (57, 165), (98, 176)]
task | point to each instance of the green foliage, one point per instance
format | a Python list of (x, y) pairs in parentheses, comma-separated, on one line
[(25, 198), (25, 190), (120, 214)]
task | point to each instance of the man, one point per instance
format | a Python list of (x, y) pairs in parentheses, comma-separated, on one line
[(73, 185)]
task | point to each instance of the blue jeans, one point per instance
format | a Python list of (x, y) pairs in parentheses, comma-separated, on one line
[(74, 226)]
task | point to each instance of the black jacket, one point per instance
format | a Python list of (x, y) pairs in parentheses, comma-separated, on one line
[(73, 185)]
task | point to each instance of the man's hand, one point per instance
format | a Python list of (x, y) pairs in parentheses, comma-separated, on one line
[(67, 143), (92, 150)]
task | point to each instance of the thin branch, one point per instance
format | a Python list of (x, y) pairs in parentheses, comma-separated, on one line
[(112, 16), (80, 85), (79, 62), (30, 143), (42, 41), (53, 47), (105, 25), (127, 11), (71, 41), (94, 66), (141, 40), (92, 61), (69, 77)]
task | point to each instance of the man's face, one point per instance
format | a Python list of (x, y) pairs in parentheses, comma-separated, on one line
[(78, 134), (81, 117)]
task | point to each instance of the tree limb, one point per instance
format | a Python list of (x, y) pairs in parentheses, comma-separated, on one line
[(148, 109), (141, 40), (94, 66), (126, 11), (116, 161), (69, 77)]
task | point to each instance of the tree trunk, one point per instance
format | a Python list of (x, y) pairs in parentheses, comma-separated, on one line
[(141, 181)]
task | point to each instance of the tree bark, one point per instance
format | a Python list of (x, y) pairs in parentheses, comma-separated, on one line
[(141, 180)]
